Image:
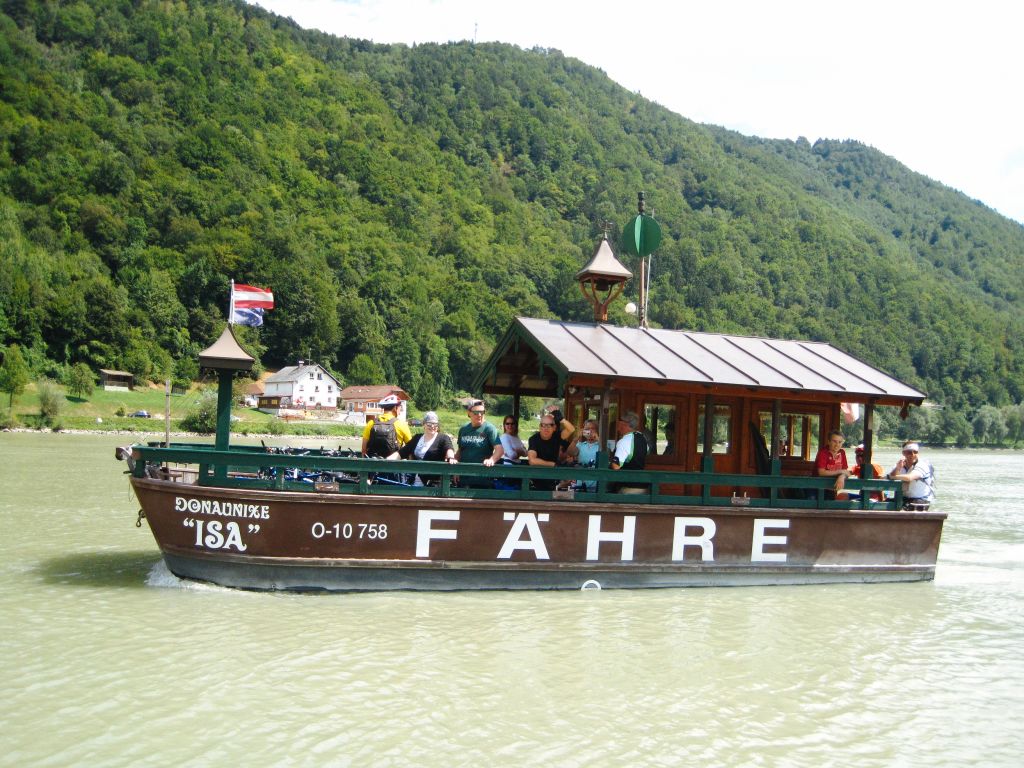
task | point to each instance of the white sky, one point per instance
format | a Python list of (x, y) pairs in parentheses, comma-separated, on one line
[(936, 84)]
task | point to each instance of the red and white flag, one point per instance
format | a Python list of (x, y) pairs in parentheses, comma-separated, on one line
[(248, 303)]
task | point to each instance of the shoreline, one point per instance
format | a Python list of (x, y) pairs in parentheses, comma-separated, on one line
[(146, 433)]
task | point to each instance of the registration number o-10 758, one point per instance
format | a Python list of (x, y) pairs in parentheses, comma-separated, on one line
[(350, 530)]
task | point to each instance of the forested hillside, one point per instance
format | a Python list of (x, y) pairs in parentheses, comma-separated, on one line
[(405, 203)]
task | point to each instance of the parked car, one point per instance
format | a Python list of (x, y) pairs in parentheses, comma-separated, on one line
[(415, 422), (139, 415)]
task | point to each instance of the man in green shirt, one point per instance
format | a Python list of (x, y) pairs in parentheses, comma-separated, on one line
[(478, 443)]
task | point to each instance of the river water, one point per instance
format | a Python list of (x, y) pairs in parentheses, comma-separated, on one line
[(109, 660)]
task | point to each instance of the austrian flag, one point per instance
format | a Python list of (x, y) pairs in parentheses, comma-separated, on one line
[(248, 303)]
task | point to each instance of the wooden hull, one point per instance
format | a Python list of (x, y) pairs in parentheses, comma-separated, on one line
[(280, 540)]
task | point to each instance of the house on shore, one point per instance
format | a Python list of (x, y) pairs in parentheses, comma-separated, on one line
[(363, 399), (304, 386)]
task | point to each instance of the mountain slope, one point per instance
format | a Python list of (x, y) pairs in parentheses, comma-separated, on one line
[(406, 203)]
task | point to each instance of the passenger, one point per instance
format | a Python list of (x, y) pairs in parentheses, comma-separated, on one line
[(565, 431), (386, 433), (917, 476), (584, 450), (429, 445), (857, 470), (544, 448), (630, 451), (511, 443), (876, 470), (479, 443), (831, 462)]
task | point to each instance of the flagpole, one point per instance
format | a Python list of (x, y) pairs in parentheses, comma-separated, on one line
[(231, 303)]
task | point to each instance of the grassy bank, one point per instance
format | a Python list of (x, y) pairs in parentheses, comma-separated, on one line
[(108, 411)]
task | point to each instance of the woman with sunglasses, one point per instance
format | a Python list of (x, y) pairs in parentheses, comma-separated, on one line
[(429, 445), (511, 443)]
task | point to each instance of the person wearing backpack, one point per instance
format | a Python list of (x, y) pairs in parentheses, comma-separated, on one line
[(386, 433)]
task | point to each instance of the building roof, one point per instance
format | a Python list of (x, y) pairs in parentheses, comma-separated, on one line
[(296, 372), (538, 357), (372, 392)]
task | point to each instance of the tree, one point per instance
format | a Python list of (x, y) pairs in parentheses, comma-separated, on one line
[(428, 397), (365, 370), (13, 374), (81, 381), (202, 417), (51, 401)]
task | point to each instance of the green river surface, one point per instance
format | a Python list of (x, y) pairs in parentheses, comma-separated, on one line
[(107, 659)]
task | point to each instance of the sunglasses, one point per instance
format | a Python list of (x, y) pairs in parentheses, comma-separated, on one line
[(547, 423), (478, 413)]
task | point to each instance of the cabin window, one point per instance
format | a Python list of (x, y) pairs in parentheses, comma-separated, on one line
[(721, 429), (798, 433), (661, 425), (319, 377), (311, 374)]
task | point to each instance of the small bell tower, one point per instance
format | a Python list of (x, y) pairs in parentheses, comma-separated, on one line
[(602, 280)]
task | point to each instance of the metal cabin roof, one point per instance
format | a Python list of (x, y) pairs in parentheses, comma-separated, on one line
[(569, 350)]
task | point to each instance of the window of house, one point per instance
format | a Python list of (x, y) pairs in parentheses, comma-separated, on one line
[(319, 376), (316, 389), (721, 429)]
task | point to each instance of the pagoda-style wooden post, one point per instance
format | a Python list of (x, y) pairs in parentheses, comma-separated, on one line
[(225, 356)]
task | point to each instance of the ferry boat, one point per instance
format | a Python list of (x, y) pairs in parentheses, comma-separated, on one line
[(727, 496)]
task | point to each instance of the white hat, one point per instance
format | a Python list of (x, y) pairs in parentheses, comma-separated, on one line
[(389, 400)]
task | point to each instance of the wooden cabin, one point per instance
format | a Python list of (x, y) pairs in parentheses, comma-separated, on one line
[(708, 402)]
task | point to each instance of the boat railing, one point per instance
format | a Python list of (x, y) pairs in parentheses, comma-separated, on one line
[(319, 471)]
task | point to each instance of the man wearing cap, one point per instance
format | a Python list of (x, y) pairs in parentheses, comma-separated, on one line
[(478, 443), (386, 433), (630, 451), (917, 476)]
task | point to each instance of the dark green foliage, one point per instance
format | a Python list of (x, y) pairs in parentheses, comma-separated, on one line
[(405, 204), (365, 370)]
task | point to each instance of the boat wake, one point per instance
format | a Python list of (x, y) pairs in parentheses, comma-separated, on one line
[(161, 577)]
